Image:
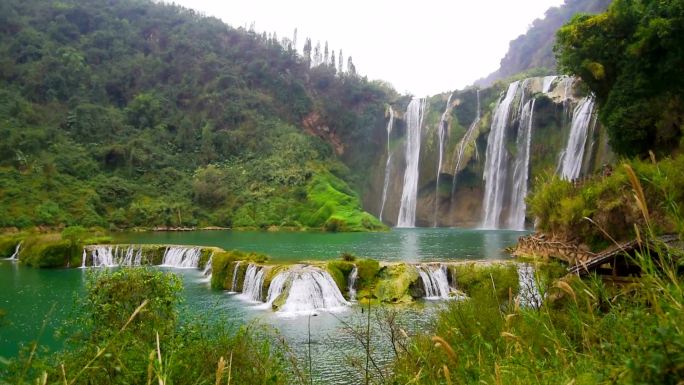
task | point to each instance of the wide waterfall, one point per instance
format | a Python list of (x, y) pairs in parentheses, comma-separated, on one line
[(111, 256), (570, 163), (516, 214), (351, 283), (528, 294), (414, 122), (496, 161), (462, 145), (435, 281), (310, 289), (233, 285), (254, 281), (388, 164), (441, 136), (182, 257), (15, 255)]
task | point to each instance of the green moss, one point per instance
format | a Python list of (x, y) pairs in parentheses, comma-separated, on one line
[(49, 254), (475, 279), (368, 269), (8, 243), (395, 282), (339, 271)]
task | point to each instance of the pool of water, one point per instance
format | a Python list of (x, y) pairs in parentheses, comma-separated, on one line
[(412, 245)]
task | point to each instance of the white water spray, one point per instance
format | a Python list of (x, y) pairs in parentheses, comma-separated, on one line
[(311, 289), (414, 122), (441, 136), (254, 281), (15, 255), (528, 293), (516, 215), (435, 281), (351, 283), (388, 164), (571, 158), (182, 257)]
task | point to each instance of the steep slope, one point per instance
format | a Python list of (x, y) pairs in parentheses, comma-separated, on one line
[(133, 113), (534, 49)]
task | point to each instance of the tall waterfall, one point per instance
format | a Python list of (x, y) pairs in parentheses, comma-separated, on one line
[(311, 288), (435, 281), (254, 281), (528, 293), (182, 257), (414, 122), (571, 158), (516, 214), (497, 160), (351, 283), (463, 143), (441, 136), (388, 165), (15, 255), (233, 285)]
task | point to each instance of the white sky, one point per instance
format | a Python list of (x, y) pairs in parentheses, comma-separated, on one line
[(420, 48)]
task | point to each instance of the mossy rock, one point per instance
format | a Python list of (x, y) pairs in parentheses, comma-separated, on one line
[(472, 278), (368, 270), (339, 271), (8, 243), (395, 282), (49, 254)]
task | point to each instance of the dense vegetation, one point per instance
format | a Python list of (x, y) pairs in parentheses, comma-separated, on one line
[(534, 49), (140, 114), (632, 59), (129, 330)]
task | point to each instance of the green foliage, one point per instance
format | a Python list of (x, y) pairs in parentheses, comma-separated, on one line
[(632, 58), (368, 270), (339, 271), (140, 114), (477, 281), (609, 203), (130, 331), (394, 283)]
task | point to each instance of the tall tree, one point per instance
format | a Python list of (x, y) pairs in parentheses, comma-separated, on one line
[(340, 63), (351, 69), (326, 54), (307, 52)]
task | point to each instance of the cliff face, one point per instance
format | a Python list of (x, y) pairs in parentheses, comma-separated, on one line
[(457, 198)]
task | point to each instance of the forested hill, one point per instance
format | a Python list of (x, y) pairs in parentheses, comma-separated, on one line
[(534, 50), (129, 113)]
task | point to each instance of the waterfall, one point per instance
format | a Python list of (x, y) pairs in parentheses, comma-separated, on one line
[(15, 255), (233, 286), (570, 163), (441, 135), (275, 289), (351, 283), (208, 268), (548, 81), (462, 145), (83, 260), (102, 256), (311, 289), (414, 121), (182, 257), (254, 280), (435, 281), (528, 293), (390, 124), (516, 215), (496, 162)]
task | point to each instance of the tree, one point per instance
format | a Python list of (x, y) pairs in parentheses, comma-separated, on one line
[(340, 63), (307, 52), (632, 58), (351, 69), (317, 56), (326, 54)]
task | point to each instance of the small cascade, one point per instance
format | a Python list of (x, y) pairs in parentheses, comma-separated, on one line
[(208, 268), (388, 165), (275, 289), (441, 135), (547, 82), (182, 257), (83, 259), (311, 289), (233, 285), (528, 294), (435, 281), (131, 257), (254, 280), (414, 122), (495, 173), (463, 144), (102, 256), (570, 162), (516, 217), (15, 255), (351, 283)]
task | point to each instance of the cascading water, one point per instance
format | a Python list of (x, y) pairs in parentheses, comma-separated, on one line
[(414, 122), (351, 283), (254, 281), (462, 145), (435, 281), (548, 81), (441, 136), (83, 260), (496, 162), (15, 255), (311, 289), (182, 257), (571, 158), (110, 256), (233, 286), (388, 165), (208, 267), (528, 294), (516, 216)]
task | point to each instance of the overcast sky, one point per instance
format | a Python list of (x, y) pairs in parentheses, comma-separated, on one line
[(421, 48)]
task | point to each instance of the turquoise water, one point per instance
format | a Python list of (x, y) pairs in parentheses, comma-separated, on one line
[(38, 299), (413, 245)]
